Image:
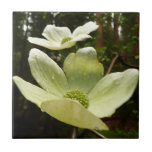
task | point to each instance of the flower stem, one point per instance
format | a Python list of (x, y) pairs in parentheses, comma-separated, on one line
[(74, 132), (97, 134)]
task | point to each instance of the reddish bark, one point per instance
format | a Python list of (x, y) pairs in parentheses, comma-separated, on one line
[(99, 42)]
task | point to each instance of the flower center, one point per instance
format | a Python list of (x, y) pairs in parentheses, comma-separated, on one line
[(66, 39), (79, 96)]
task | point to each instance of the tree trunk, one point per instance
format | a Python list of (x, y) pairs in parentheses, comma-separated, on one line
[(99, 42), (24, 51), (137, 34), (116, 25), (137, 41)]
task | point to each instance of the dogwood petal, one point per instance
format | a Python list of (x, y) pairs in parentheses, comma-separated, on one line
[(45, 43), (31, 92), (83, 70), (51, 45), (111, 92), (85, 29), (73, 113), (81, 37), (53, 33), (47, 73), (67, 44), (72, 42)]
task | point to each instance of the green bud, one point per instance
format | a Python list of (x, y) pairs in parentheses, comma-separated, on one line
[(66, 39), (79, 96)]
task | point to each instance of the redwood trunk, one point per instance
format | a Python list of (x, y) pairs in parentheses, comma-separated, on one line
[(99, 42)]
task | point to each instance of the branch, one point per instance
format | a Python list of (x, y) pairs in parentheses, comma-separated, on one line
[(97, 134), (122, 61), (112, 63)]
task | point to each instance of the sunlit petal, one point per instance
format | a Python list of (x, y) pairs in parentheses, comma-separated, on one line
[(33, 93), (112, 91), (73, 113), (45, 43), (81, 37), (47, 73), (53, 33), (83, 70), (85, 29)]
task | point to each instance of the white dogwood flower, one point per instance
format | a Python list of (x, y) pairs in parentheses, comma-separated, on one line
[(58, 38), (79, 94)]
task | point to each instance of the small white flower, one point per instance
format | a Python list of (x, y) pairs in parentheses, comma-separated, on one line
[(58, 38)]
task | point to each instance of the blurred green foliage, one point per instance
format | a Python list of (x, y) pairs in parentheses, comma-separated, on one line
[(120, 34)]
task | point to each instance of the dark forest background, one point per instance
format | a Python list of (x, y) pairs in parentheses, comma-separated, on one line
[(118, 33)]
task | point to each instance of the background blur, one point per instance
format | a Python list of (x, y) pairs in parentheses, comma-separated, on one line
[(118, 33)]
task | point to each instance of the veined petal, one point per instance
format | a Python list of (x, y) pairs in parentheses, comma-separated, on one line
[(33, 93), (83, 70), (45, 43), (47, 73), (85, 29), (51, 45), (81, 37), (111, 92), (53, 33), (73, 113)]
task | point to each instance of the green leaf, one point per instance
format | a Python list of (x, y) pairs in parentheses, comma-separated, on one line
[(73, 113), (111, 92), (83, 70), (47, 73), (31, 92), (137, 57)]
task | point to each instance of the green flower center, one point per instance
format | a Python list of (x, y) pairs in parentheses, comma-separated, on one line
[(66, 39), (79, 96)]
